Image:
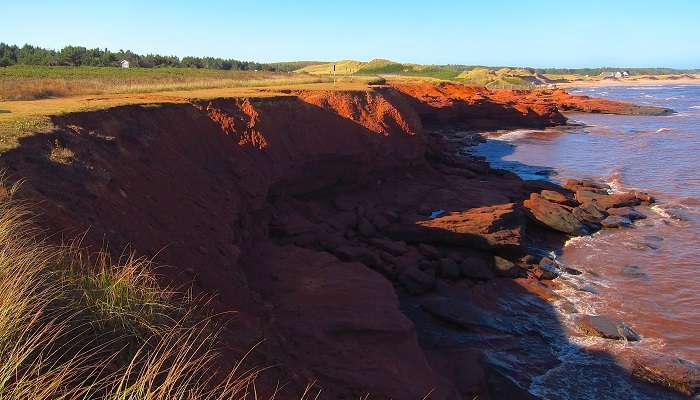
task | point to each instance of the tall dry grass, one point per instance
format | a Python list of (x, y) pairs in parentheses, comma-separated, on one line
[(79, 327)]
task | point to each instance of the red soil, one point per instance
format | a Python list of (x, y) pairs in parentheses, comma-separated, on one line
[(285, 208)]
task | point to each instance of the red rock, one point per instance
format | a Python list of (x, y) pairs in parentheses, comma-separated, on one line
[(417, 281), (618, 200), (329, 311), (429, 251), (584, 196), (538, 288), (553, 196), (363, 255), (476, 268), (606, 327), (546, 270), (504, 267), (555, 216), (499, 226), (589, 213), (365, 228), (644, 197), (394, 247), (628, 212), (668, 371), (449, 269), (616, 221)]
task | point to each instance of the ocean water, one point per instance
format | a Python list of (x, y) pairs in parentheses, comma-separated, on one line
[(648, 275)]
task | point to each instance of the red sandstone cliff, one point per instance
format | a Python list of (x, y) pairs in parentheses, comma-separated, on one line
[(303, 212)]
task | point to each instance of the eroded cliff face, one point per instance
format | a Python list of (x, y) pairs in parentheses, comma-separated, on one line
[(308, 214)]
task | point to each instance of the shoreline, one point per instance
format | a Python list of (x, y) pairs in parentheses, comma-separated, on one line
[(628, 82), (673, 373)]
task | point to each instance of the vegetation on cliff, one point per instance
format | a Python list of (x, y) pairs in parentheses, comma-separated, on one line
[(78, 326)]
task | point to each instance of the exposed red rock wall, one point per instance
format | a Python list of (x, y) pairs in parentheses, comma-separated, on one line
[(284, 206)]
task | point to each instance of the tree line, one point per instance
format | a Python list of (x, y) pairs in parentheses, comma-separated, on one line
[(76, 56)]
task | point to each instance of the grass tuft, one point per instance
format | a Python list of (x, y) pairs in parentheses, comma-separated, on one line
[(74, 326)]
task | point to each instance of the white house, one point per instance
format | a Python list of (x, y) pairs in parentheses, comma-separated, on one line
[(124, 63)]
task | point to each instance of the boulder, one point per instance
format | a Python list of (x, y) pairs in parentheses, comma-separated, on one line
[(357, 253), (589, 214), (343, 203), (555, 216), (476, 268), (545, 271), (572, 271), (424, 210), (585, 184), (606, 327), (644, 197), (628, 212), (365, 228), (416, 281), (429, 251), (584, 196), (633, 271), (618, 200), (553, 196), (333, 311), (505, 267), (568, 307), (616, 221), (460, 313), (448, 268), (668, 371), (487, 228), (291, 225), (393, 247)]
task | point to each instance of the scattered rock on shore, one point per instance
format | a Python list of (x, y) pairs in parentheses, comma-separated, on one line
[(553, 196), (589, 214), (671, 372), (505, 267), (417, 281), (546, 270), (476, 268), (618, 200), (616, 221), (628, 212), (606, 327), (555, 216)]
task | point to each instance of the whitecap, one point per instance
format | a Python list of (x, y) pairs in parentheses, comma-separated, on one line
[(513, 135), (579, 241), (660, 130)]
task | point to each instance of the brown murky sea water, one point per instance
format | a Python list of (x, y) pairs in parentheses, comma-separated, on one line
[(649, 276)]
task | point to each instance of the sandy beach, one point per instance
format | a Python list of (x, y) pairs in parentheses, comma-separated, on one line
[(645, 81)]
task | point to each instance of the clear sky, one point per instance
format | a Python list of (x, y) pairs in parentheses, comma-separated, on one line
[(562, 33)]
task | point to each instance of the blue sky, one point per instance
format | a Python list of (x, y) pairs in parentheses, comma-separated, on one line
[(515, 33)]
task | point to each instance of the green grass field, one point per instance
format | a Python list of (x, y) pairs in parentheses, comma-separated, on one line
[(22, 82)]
